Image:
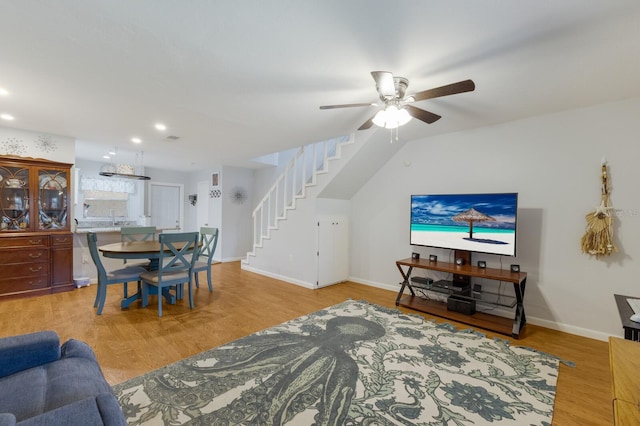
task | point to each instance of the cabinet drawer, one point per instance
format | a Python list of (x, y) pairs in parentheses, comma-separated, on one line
[(14, 285), (33, 241), (24, 256), (61, 240), (26, 269)]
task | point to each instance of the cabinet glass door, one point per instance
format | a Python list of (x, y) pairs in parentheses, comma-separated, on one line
[(14, 199), (52, 199)]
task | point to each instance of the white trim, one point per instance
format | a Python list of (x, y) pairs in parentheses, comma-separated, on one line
[(310, 286), (578, 331)]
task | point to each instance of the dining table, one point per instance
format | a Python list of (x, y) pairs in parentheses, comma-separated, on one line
[(131, 250)]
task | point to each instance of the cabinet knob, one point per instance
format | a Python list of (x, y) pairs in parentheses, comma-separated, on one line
[(38, 269), (35, 242), (35, 256)]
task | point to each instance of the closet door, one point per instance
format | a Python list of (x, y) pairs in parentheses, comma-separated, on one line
[(333, 250)]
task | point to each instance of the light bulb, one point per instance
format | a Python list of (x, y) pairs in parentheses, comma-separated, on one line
[(379, 119), (391, 117), (403, 117)]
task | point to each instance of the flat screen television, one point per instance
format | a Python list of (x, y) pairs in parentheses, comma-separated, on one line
[(484, 223)]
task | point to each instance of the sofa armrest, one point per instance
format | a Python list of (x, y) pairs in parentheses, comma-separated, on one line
[(73, 348), (18, 353), (103, 410)]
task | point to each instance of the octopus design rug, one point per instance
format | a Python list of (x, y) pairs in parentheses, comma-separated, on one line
[(354, 363)]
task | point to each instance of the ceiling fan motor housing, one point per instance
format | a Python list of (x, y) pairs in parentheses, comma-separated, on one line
[(401, 84)]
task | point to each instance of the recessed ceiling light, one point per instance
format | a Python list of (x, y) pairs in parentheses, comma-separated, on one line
[(7, 117), (136, 140), (106, 157), (4, 92), (161, 127)]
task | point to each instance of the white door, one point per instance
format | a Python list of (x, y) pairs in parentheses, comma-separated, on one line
[(166, 205), (333, 250), (203, 204)]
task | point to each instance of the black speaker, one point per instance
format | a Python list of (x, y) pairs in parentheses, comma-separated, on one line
[(482, 264), (415, 256), (461, 304), (459, 261), (515, 268), (433, 258)]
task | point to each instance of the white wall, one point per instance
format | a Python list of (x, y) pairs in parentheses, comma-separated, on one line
[(266, 176), (236, 231), (233, 219), (24, 143), (92, 169), (553, 162)]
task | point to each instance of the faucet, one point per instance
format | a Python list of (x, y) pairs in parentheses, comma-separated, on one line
[(112, 213)]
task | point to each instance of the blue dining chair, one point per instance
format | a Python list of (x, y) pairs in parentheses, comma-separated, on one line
[(204, 258), (118, 276), (137, 233), (177, 256)]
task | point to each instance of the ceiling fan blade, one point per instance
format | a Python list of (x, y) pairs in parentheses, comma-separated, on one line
[(420, 114), (384, 84), (367, 124), (449, 89), (346, 106)]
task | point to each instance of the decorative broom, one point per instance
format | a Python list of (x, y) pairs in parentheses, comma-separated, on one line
[(598, 238)]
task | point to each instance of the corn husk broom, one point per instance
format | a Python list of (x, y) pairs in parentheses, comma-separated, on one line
[(598, 238)]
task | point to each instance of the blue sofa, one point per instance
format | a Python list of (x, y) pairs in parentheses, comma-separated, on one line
[(43, 383)]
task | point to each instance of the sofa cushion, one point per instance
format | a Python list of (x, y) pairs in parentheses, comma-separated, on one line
[(102, 410), (37, 390)]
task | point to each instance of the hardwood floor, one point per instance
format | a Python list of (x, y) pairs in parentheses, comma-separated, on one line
[(134, 341)]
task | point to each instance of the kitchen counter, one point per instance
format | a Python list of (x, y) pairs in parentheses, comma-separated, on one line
[(83, 225), (104, 229), (84, 230)]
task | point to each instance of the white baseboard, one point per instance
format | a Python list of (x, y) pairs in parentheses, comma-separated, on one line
[(304, 284), (383, 286), (229, 259), (578, 331)]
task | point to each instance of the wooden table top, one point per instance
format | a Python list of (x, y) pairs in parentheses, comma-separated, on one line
[(135, 249), (131, 247)]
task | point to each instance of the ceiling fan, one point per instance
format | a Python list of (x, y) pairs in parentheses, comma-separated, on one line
[(397, 108)]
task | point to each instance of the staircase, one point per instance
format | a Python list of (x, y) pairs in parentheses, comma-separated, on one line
[(301, 172)]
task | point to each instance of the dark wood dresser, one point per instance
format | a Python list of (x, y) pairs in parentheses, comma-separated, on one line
[(36, 243)]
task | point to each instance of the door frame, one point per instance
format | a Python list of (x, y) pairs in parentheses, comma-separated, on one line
[(202, 212)]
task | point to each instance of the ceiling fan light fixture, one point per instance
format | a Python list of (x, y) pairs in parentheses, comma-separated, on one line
[(391, 117)]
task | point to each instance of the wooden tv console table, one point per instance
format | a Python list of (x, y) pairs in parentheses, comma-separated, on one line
[(624, 358), (484, 320)]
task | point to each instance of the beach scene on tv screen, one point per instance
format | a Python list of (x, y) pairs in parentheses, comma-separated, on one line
[(475, 222)]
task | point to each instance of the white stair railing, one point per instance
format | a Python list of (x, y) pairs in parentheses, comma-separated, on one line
[(300, 172)]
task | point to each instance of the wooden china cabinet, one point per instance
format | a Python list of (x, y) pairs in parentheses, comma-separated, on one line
[(36, 243)]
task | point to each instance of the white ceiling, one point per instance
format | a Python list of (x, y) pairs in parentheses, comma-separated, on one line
[(239, 79)]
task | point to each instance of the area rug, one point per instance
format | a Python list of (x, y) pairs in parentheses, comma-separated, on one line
[(354, 363)]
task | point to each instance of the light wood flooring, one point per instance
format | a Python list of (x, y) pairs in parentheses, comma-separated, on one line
[(134, 341)]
